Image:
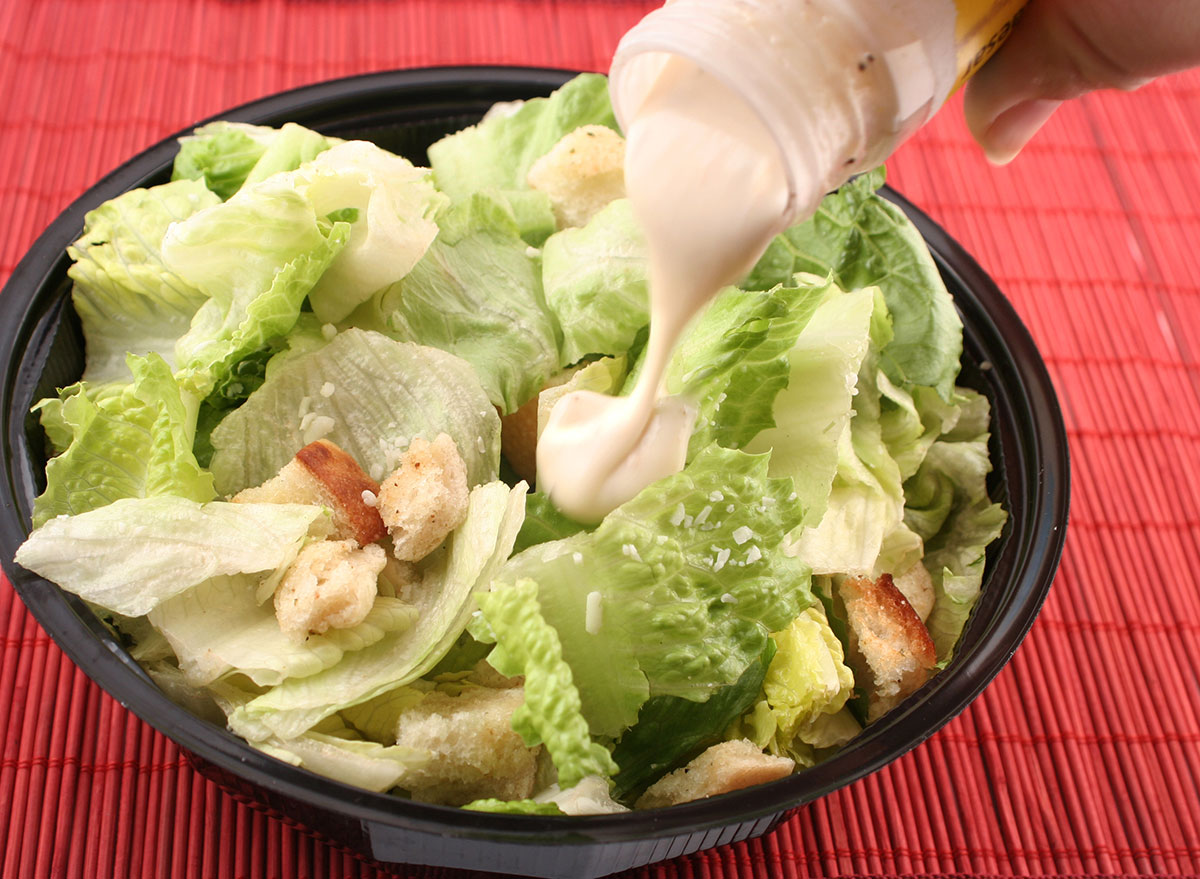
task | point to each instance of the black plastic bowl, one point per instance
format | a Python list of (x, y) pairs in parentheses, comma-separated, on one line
[(405, 111)]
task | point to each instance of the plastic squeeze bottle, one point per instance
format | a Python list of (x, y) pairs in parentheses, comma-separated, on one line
[(739, 116)]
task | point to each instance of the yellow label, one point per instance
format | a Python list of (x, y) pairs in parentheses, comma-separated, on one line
[(982, 26)]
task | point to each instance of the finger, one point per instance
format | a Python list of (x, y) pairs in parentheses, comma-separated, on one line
[(1005, 136)]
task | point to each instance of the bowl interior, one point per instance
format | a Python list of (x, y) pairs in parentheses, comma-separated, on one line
[(405, 112)]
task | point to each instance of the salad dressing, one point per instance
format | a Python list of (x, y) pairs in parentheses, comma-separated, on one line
[(708, 187)]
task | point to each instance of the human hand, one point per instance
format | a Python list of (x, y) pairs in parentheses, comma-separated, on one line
[(1061, 49)]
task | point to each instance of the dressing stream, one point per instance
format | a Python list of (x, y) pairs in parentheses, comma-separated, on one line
[(707, 185)]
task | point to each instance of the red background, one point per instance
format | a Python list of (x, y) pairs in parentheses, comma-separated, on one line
[(1082, 758)]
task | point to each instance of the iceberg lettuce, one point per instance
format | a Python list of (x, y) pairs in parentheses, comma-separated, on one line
[(135, 553), (445, 600), (127, 300), (477, 293), (225, 155), (124, 441), (366, 393), (498, 152)]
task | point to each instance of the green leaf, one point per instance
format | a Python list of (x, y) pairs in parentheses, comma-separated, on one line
[(135, 553), (685, 582), (671, 731), (515, 807), (464, 565), (369, 395), (127, 441), (127, 300), (734, 361), (597, 283), (550, 715), (225, 154), (860, 239), (478, 295), (498, 152)]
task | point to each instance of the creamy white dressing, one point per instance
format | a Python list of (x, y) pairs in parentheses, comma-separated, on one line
[(708, 186)]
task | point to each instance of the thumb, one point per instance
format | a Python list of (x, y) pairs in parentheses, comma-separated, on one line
[(1058, 50)]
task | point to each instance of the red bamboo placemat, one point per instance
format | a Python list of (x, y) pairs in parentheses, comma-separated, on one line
[(1082, 758)]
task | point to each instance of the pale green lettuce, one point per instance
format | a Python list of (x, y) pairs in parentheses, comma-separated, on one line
[(128, 441), (804, 692), (219, 626), (498, 152), (224, 155), (363, 764), (256, 257), (814, 410), (127, 300), (860, 239), (465, 564), (597, 283), (551, 713), (688, 584), (135, 553), (948, 505), (477, 293), (366, 393)]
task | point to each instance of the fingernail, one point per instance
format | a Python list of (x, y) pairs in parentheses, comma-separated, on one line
[(1014, 128)]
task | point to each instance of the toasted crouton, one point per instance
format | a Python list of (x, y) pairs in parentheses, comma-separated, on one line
[(917, 586), (890, 652), (323, 473), (581, 174), (722, 768), (475, 751), (425, 498), (519, 431), (330, 585)]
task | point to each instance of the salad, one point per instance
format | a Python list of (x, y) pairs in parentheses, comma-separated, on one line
[(296, 477)]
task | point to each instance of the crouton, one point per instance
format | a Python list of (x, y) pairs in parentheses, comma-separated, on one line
[(399, 579), (519, 431), (917, 586), (322, 473), (485, 675), (581, 174), (890, 650), (425, 498), (475, 753), (330, 585), (722, 768)]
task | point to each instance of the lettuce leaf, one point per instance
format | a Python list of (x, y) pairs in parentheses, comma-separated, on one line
[(859, 239), (597, 283), (465, 564), (127, 300), (389, 204), (734, 361), (948, 505), (478, 295), (256, 257), (814, 410), (218, 627), (498, 152), (803, 693), (366, 393), (687, 586), (367, 765), (224, 155), (551, 714), (127, 441), (135, 553), (671, 731)]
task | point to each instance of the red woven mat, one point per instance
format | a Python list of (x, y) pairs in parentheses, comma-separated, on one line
[(1082, 758)]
